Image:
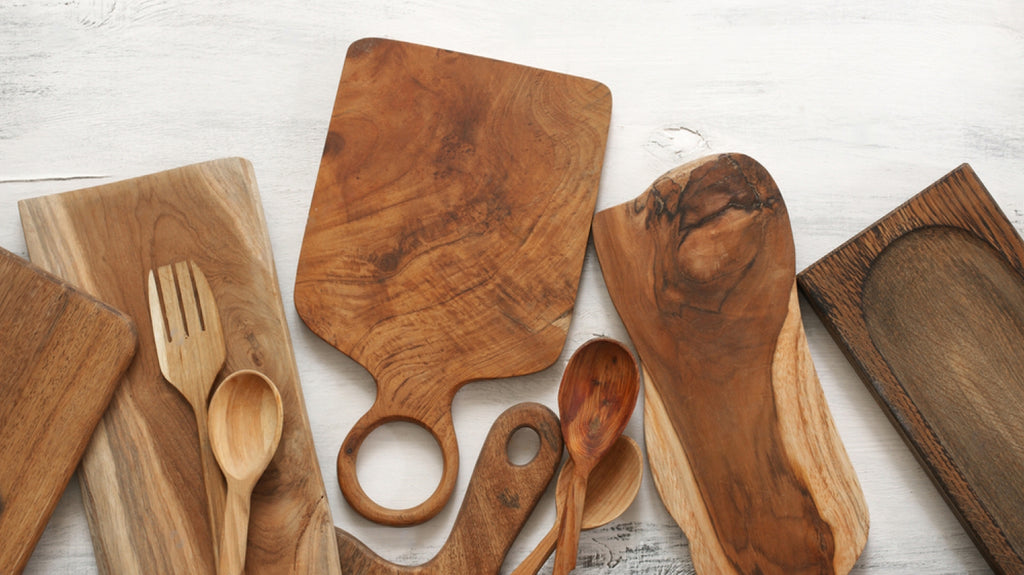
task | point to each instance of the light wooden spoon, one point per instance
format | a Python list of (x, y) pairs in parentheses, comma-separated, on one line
[(246, 417), (611, 488), (595, 401)]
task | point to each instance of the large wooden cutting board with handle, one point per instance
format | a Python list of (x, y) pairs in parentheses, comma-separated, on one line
[(446, 233), (62, 354), (928, 305), (741, 443), (141, 475)]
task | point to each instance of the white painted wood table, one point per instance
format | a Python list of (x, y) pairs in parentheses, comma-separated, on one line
[(853, 106)]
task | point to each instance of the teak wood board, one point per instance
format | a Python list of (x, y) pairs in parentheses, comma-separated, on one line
[(928, 306), (62, 354), (740, 440), (141, 474), (447, 231)]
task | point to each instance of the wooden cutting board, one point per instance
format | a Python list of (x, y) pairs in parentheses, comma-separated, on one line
[(500, 497), (740, 440), (141, 475), (447, 231), (928, 305), (62, 353)]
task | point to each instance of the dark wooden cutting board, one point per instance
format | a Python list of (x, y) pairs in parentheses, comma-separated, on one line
[(740, 440), (141, 475), (928, 306), (62, 354), (447, 232)]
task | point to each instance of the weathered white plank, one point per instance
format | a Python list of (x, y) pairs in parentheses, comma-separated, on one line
[(852, 105)]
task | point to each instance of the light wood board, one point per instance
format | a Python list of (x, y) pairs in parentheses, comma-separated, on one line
[(141, 475)]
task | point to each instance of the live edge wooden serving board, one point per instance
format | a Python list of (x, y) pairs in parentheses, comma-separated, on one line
[(447, 232), (62, 354), (928, 305), (141, 474), (741, 443)]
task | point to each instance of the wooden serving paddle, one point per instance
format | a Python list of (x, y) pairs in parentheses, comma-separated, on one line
[(142, 475), (928, 306), (741, 443), (447, 232), (62, 353), (500, 497)]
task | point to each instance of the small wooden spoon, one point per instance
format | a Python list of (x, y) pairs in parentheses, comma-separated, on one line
[(611, 488), (595, 401), (245, 419)]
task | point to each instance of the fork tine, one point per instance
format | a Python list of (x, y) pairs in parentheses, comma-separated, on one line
[(156, 312), (207, 303), (171, 307), (188, 298)]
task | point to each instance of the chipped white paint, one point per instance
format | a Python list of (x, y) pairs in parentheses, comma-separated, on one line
[(853, 105)]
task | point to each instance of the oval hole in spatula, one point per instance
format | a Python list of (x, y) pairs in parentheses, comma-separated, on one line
[(407, 456), (523, 446)]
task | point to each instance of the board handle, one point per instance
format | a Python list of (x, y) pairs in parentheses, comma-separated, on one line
[(443, 431)]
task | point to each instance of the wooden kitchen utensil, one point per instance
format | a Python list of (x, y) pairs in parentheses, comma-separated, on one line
[(190, 348), (928, 306), (62, 353), (447, 231), (595, 401), (245, 428), (142, 476), (500, 497), (611, 488), (741, 443)]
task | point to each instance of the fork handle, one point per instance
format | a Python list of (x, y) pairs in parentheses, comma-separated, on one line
[(213, 480)]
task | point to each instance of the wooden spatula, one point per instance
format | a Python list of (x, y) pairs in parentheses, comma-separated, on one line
[(740, 440), (447, 231)]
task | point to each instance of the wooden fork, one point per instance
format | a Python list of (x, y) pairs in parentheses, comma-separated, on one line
[(190, 347)]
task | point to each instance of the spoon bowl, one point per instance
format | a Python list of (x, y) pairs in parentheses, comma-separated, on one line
[(596, 398), (612, 487), (245, 420)]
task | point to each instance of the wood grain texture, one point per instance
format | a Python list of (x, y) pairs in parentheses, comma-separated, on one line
[(500, 497), (740, 440), (62, 354), (141, 475), (928, 305), (853, 105), (447, 230)]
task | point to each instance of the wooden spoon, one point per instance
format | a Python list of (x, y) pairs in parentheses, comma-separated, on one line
[(611, 488), (245, 419), (595, 401)]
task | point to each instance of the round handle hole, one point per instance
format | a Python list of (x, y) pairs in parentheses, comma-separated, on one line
[(523, 446), (399, 465)]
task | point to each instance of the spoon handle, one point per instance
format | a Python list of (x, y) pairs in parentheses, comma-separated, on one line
[(535, 560), (236, 531), (572, 522)]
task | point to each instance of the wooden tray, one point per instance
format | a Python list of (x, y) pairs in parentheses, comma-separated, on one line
[(141, 475), (447, 231), (62, 354), (928, 306)]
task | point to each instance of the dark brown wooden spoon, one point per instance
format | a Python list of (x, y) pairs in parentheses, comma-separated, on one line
[(595, 401)]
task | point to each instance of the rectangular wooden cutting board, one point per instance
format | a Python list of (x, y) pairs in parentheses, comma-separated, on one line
[(141, 475), (928, 306), (61, 356)]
